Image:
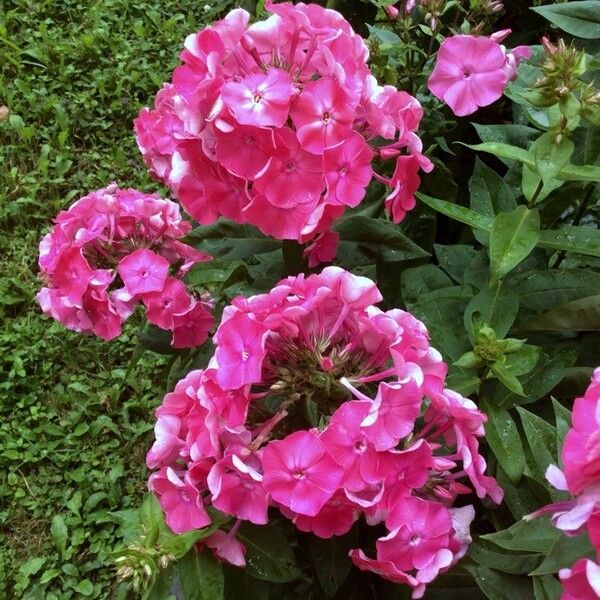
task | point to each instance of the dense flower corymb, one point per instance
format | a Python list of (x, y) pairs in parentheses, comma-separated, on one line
[(472, 71), (321, 405), (274, 124), (112, 249)]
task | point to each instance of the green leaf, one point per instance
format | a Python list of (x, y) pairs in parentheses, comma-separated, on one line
[(438, 310), (421, 280), (507, 378), (564, 553), (505, 151), (500, 586), (491, 556), (58, 529), (456, 212), (537, 535), (179, 545), (85, 587), (562, 419), (547, 588), (230, 241), (463, 263), (160, 588), (572, 238), (578, 315), (541, 437), (497, 306), (523, 360), (200, 576), (378, 238), (514, 135), (151, 518), (215, 271), (580, 173), (549, 370), (489, 195), (269, 555), (331, 561), (550, 157), (513, 236), (503, 437), (581, 19)]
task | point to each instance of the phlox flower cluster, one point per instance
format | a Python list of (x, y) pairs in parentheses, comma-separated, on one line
[(321, 406), (581, 478), (472, 70), (278, 123), (113, 249)]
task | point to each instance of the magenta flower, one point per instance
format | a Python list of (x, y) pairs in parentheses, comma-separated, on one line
[(240, 352), (404, 183), (469, 73), (323, 115), (293, 176), (180, 500), (260, 99), (143, 271), (161, 306), (348, 170), (72, 274), (191, 327), (299, 473), (581, 581)]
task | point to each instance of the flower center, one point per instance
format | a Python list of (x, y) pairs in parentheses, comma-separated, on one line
[(144, 273), (467, 75), (257, 99), (326, 116), (290, 165), (245, 355), (414, 540), (360, 446), (298, 474)]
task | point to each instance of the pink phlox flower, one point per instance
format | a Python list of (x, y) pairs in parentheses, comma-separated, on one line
[(581, 581), (180, 501), (143, 271), (404, 183), (241, 350), (299, 473), (245, 151), (236, 489), (161, 306), (192, 326), (227, 547), (349, 445), (72, 274), (469, 73), (335, 518), (167, 442), (293, 176), (348, 171), (323, 249), (260, 99), (322, 115), (105, 321)]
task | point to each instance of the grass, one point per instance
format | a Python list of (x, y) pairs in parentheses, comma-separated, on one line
[(73, 430)]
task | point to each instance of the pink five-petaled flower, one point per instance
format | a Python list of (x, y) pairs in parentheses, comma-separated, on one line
[(260, 99), (143, 271), (322, 114), (419, 538), (469, 73), (293, 175), (237, 490), (72, 274), (348, 444), (163, 304), (581, 581), (191, 327), (405, 182), (299, 473), (240, 352), (180, 501), (348, 171)]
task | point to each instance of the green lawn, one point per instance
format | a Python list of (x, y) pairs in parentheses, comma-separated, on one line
[(73, 429)]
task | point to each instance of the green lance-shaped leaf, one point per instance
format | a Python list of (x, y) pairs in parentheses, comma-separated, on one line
[(581, 19), (200, 576), (503, 437), (514, 235)]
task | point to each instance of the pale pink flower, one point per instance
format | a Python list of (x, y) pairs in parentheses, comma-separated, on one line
[(180, 500), (348, 170), (322, 114), (260, 99), (299, 473), (469, 73)]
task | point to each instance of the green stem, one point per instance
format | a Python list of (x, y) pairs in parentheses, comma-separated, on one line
[(293, 258), (583, 207), (537, 192)]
